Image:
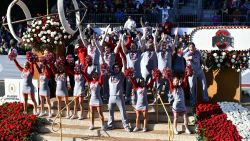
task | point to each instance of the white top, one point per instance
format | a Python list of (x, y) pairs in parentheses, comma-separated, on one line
[(130, 24)]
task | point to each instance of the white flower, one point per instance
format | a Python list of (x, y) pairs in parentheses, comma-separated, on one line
[(39, 22), (56, 38), (64, 31), (48, 31), (238, 70), (60, 42), (221, 60), (31, 39), (44, 41), (61, 28), (60, 35), (25, 44), (35, 23), (38, 27), (232, 60), (28, 35), (233, 67), (48, 40), (28, 40), (45, 32), (52, 35), (218, 65), (43, 27), (29, 29), (214, 54), (48, 17), (55, 42), (244, 58), (39, 35), (46, 25), (234, 56), (65, 36), (69, 36), (33, 30)]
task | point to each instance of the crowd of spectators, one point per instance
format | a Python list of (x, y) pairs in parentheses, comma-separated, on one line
[(117, 11), (233, 12), (7, 41)]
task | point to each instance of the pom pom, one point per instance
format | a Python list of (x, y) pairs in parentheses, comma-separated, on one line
[(59, 63), (31, 57), (189, 71), (43, 60), (70, 59), (12, 54), (157, 74), (129, 72), (167, 72), (50, 57), (78, 68)]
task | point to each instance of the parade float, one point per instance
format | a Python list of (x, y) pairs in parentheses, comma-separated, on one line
[(225, 52)]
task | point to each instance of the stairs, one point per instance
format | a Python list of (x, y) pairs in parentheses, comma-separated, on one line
[(77, 130)]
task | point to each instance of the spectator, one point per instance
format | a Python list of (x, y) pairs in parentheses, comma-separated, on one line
[(130, 24), (167, 27), (119, 16)]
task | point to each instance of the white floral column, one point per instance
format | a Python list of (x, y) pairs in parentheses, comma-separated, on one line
[(239, 116)]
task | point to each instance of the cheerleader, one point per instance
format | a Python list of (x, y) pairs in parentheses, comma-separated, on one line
[(148, 59), (27, 87), (178, 60), (141, 102), (193, 58), (178, 107), (133, 61), (164, 51), (79, 91), (60, 73), (116, 81), (90, 67), (44, 90), (95, 99)]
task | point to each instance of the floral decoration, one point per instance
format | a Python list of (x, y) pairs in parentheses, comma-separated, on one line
[(46, 32)]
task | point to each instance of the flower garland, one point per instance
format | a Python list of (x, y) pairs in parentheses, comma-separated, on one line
[(45, 33), (237, 60), (213, 125), (239, 116)]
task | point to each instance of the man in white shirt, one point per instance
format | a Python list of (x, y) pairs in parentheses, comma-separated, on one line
[(130, 24)]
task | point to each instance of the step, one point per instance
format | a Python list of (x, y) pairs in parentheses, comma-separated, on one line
[(68, 137), (131, 115), (118, 124), (152, 107), (116, 133)]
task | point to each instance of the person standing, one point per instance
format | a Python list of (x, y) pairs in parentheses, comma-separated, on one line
[(193, 58), (27, 87), (116, 81)]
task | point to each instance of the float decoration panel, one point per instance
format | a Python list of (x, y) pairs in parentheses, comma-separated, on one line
[(223, 46)]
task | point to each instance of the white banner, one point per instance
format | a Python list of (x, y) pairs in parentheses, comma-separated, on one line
[(13, 91), (221, 38)]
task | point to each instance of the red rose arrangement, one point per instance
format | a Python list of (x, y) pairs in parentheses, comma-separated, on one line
[(14, 125), (213, 125)]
